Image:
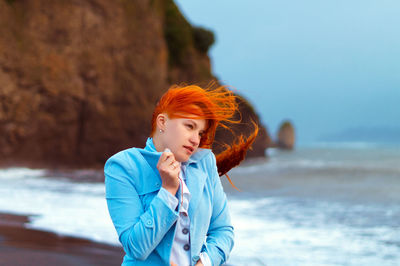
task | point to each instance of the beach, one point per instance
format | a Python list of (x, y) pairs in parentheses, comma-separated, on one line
[(24, 246), (318, 205)]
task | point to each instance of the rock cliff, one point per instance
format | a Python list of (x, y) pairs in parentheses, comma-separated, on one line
[(79, 79)]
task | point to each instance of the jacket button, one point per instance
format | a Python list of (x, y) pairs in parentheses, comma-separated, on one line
[(185, 231), (149, 222), (186, 247)]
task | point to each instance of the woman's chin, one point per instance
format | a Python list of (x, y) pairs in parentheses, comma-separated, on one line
[(182, 157)]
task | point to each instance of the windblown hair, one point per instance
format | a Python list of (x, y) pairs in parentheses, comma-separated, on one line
[(217, 106)]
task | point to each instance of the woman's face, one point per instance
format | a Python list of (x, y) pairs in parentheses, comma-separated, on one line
[(182, 136)]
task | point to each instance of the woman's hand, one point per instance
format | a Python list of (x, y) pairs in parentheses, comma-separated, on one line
[(169, 170), (199, 263)]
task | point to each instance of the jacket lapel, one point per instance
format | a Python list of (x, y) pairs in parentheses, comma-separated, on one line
[(195, 182)]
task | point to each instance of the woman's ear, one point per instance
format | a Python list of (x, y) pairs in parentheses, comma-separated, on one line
[(161, 121)]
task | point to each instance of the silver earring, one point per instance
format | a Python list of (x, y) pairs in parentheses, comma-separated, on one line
[(161, 131)]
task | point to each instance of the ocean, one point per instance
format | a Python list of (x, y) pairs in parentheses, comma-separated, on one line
[(320, 204)]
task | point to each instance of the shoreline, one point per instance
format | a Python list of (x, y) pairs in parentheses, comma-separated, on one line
[(24, 246)]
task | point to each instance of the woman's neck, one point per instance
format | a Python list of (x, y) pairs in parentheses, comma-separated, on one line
[(157, 143)]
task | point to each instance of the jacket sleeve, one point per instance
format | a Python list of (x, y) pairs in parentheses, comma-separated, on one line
[(139, 231), (220, 233)]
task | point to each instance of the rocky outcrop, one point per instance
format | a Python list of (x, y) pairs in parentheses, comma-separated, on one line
[(286, 136), (79, 79)]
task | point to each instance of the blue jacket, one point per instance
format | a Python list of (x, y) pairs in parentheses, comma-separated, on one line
[(146, 224)]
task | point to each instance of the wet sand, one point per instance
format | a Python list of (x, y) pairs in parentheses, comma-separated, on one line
[(23, 246)]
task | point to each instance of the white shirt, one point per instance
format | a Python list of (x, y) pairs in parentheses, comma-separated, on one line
[(180, 253)]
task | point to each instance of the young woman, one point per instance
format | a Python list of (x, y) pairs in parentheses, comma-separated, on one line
[(166, 200)]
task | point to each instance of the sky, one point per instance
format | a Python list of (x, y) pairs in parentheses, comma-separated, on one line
[(326, 66)]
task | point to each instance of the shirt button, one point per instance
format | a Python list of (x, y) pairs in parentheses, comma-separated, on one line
[(186, 247), (185, 231)]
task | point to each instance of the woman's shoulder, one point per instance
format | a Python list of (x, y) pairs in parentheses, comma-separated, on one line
[(133, 165), (127, 159), (202, 155), (123, 155), (205, 158)]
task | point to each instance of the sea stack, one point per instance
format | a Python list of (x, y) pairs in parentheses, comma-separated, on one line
[(286, 136)]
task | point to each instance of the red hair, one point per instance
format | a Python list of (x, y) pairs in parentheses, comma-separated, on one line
[(217, 106)]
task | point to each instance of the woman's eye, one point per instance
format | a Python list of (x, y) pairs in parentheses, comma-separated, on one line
[(189, 126)]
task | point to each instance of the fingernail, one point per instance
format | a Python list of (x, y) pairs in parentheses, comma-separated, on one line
[(168, 150)]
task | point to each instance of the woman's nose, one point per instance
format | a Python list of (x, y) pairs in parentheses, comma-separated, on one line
[(195, 139)]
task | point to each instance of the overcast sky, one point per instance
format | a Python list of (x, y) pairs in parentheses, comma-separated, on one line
[(325, 65)]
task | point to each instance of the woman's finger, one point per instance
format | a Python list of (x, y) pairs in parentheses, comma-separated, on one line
[(168, 162), (176, 164), (165, 156)]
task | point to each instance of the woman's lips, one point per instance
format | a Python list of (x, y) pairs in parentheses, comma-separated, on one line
[(189, 149)]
